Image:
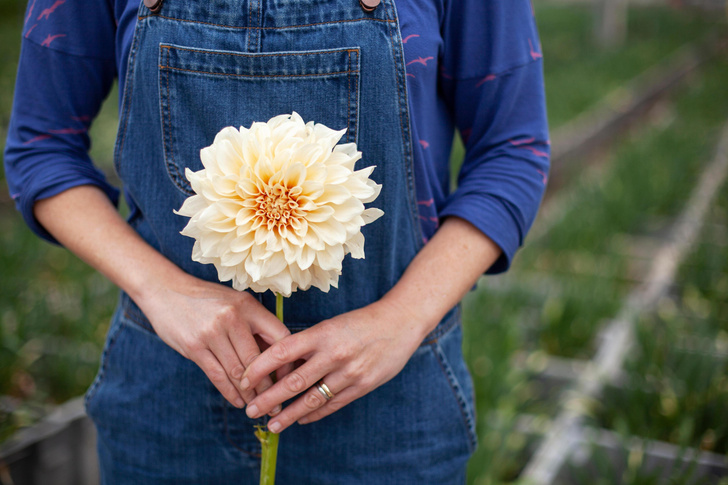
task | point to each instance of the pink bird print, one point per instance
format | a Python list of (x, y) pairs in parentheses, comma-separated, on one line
[(421, 60), (424, 144), (30, 30), (544, 177), (534, 55), (535, 151), (489, 77), (30, 11), (524, 145), (411, 36), (51, 38), (522, 142), (48, 11), (411, 75), (426, 203), (37, 138)]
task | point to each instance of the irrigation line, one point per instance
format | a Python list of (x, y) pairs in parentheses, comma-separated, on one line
[(566, 431)]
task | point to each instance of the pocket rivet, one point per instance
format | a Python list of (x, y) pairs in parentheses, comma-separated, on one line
[(153, 5), (369, 5)]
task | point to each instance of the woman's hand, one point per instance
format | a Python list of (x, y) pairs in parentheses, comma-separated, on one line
[(353, 354), (211, 324), (215, 327), (358, 351)]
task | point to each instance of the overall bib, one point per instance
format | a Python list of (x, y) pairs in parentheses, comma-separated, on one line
[(194, 68)]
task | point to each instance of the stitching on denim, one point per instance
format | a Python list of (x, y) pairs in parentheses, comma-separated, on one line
[(457, 391), (255, 76), (249, 31), (263, 54), (172, 169), (126, 100), (91, 393), (257, 32), (407, 137), (315, 24), (348, 102), (434, 336)]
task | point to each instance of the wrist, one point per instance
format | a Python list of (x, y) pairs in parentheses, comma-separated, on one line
[(416, 318)]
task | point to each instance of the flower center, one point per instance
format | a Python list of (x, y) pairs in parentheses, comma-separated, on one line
[(277, 207)]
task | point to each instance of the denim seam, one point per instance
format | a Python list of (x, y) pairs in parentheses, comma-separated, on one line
[(443, 328), (257, 76), (465, 412), (91, 393), (348, 98), (400, 70), (315, 24), (126, 101), (172, 169), (261, 54)]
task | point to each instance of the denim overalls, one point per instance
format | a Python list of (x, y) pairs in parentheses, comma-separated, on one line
[(194, 68)]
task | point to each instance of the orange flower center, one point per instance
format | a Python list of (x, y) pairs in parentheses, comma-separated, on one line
[(277, 207)]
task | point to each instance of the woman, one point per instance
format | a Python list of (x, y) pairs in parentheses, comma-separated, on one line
[(379, 358)]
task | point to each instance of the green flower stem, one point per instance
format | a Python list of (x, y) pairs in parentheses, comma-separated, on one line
[(269, 440)]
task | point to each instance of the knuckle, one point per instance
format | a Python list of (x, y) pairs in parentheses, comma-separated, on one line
[(295, 382), (339, 354), (313, 400), (280, 351), (351, 374), (237, 371), (249, 359), (226, 314), (216, 375)]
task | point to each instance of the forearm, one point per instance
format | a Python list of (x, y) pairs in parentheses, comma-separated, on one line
[(442, 273), (84, 221)]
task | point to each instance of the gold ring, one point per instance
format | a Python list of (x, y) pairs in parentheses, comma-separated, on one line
[(324, 390)]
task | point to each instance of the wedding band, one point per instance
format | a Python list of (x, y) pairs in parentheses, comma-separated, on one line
[(324, 390)]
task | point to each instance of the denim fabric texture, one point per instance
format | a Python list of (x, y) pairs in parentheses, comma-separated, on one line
[(194, 68)]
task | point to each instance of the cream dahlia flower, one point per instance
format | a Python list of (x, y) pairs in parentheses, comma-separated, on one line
[(279, 205)]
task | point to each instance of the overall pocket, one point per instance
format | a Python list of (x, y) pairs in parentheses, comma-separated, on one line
[(202, 91)]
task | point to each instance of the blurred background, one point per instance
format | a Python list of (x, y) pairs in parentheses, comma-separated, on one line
[(600, 358)]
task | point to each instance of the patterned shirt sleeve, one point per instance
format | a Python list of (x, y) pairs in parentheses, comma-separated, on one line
[(65, 71), (492, 80)]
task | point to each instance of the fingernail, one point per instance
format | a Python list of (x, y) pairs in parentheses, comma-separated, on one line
[(274, 426), (275, 410), (245, 384), (252, 411), (239, 403)]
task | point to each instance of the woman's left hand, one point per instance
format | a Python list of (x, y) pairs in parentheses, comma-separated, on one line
[(353, 354)]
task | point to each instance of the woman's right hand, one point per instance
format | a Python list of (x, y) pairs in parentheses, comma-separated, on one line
[(210, 324), (215, 327)]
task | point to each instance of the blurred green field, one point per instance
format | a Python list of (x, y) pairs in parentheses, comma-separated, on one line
[(54, 310)]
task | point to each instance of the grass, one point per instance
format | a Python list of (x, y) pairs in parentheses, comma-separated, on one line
[(566, 284), (676, 386)]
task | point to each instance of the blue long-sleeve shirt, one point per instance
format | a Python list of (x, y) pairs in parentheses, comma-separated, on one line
[(474, 65)]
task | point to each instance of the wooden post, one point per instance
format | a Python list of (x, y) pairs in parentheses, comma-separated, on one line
[(610, 22)]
